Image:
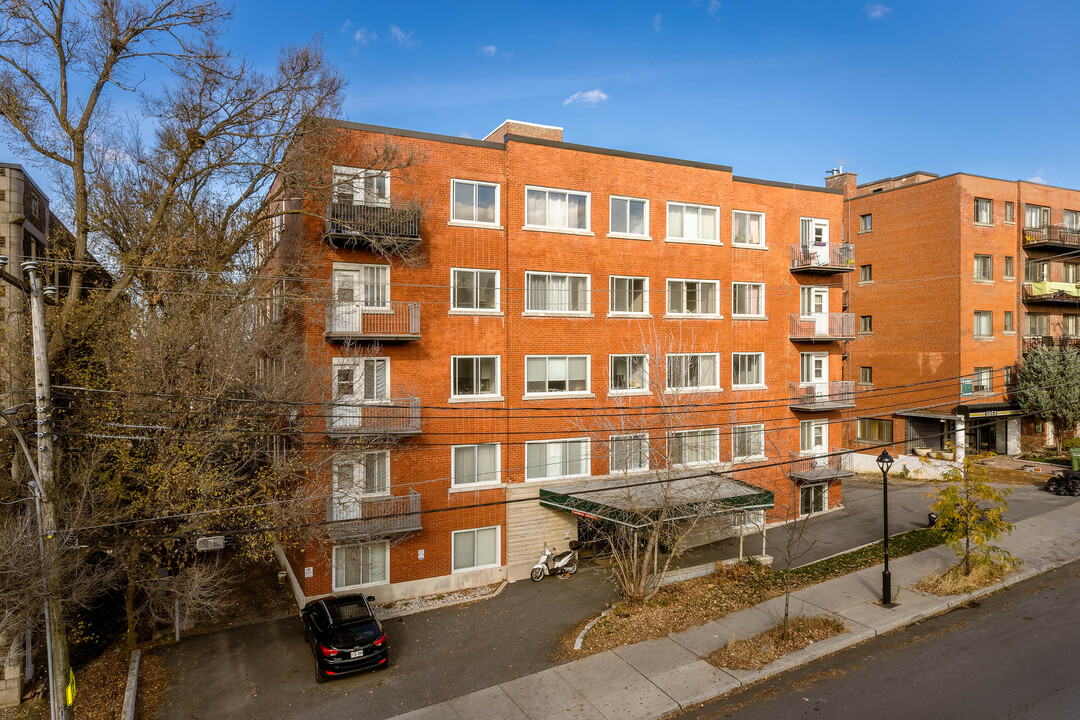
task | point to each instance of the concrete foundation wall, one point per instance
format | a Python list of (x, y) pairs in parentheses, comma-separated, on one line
[(919, 468), (11, 679)]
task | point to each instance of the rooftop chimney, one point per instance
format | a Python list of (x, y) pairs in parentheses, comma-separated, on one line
[(837, 179), (517, 127)]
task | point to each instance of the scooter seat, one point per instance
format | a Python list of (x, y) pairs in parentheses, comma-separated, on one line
[(563, 556)]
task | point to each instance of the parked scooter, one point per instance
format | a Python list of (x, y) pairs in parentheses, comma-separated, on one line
[(565, 563)]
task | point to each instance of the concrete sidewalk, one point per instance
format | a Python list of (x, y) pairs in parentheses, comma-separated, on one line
[(653, 678)]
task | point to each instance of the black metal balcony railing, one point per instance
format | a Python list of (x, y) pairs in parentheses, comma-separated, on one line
[(354, 222), (388, 321), (1065, 342), (809, 467), (1051, 236), (359, 517), (393, 416), (828, 258), (823, 396), (1051, 293), (827, 326)]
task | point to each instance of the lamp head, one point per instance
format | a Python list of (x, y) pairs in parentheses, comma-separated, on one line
[(884, 461), (50, 291)]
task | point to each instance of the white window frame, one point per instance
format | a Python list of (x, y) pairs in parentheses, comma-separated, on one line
[(643, 390), (612, 312), (759, 430), (735, 287), (586, 459), (357, 364), (477, 397), (476, 185), (700, 432), (360, 472), (642, 451), (542, 313), (1042, 211), (498, 549), (628, 235), (983, 317), (758, 245), (1070, 219), (547, 376), (334, 572), (356, 177), (982, 379), (813, 223), (587, 230), (761, 367), (381, 303), (683, 239), (713, 387), (457, 310), (667, 300), (454, 482)]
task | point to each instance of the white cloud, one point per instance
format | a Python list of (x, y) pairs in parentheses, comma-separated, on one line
[(714, 7), (363, 36), (346, 25), (589, 97), (1038, 178), (465, 135), (489, 50), (401, 36), (877, 11), (656, 22)]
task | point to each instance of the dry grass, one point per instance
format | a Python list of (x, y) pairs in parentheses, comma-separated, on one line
[(760, 650), (954, 582)]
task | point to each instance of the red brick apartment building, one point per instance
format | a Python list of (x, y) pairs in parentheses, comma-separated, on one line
[(958, 276), (556, 297)]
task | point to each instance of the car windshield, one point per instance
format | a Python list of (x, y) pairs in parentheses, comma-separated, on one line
[(354, 635), (348, 612)]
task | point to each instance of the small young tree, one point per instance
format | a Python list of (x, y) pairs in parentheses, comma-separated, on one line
[(1049, 387)]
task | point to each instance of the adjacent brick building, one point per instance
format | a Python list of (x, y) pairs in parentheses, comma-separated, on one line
[(539, 298)]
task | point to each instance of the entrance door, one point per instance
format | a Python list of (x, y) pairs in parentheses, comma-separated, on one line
[(814, 303), (359, 290), (814, 440), (814, 372), (814, 239), (358, 382)]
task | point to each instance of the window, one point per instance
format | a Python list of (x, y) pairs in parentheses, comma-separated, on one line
[(629, 295), (476, 375), (1010, 212), (1008, 376), (1007, 326), (692, 297), (813, 498), (556, 209), (984, 267), (747, 228), (369, 474), (749, 519), (813, 437), (476, 548), (1009, 267), (866, 222), (813, 367), (1038, 324), (1070, 325), (1036, 216), (874, 430), (747, 299), (866, 323), (692, 223), (984, 211), (356, 565), (475, 202), (556, 373), (628, 453), (556, 458), (983, 379), (361, 379), (1071, 219), (747, 369), (693, 372), (629, 217), (813, 231), (693, 447), (866, 273), (1070, 272), (556, 293), (747, 442), (984, 323), (474, 289), (359, 288), (355, 186), (866, 375), (1036, 270), (628, 373), (474, 464)]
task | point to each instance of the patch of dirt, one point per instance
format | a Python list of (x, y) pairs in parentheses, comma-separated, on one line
[(954, 582), (1005, 476), (100, 685), (36, 708), (809, 680), (762, 649)]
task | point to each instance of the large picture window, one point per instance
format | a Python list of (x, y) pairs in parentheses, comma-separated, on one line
[(692, 297), (356, 565), (693, 223), (475, 464), (693, 372), (556, 373), (474, 549), (556, 293), (556, 209), (693, 447), (556, 458), (475, 202)]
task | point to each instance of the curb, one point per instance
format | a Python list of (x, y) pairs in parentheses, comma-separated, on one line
[(447, 603)]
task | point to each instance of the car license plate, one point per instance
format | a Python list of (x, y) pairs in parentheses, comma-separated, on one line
[(356, 653)]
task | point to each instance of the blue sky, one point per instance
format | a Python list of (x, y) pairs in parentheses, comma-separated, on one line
[(779, 90)]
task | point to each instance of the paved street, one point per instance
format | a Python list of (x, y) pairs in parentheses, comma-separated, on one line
[(266, 670), (1011, 656)]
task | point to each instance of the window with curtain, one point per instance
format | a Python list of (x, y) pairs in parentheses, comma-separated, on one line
[(628, 453), (984, 211), (984, 323), (693, 372), (747, 369), (747, 299), (747, 228), (693, 223), (1070, 325), (476, 548), (1038, 324), (747, 442), (556, 373), (628, 295), (983, 379), (693, 447), (984, 267), (365, 564), (556, 209), (556, 458), (556, 293), (1036, 216), (475, 464)]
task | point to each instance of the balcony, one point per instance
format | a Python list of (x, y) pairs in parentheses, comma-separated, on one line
[(397, 416), (823, 259), (361, 518), (1065, 342), (808, 467), (822, 396), (825, 327), (1052, 292), (1051, 237), (390, 321), (372, 226)]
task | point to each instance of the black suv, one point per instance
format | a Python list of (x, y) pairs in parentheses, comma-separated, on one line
[(344, 635)]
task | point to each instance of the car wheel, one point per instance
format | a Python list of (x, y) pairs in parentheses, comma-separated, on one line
[(537, 574)]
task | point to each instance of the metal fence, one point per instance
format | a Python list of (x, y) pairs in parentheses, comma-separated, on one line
[(364, 517), (393, 416), (824, 326), (823, 395), (832, 255), (804, 466), (389, 320), (393, 220)]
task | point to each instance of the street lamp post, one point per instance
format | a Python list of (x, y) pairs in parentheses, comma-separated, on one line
[(885, 461)]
